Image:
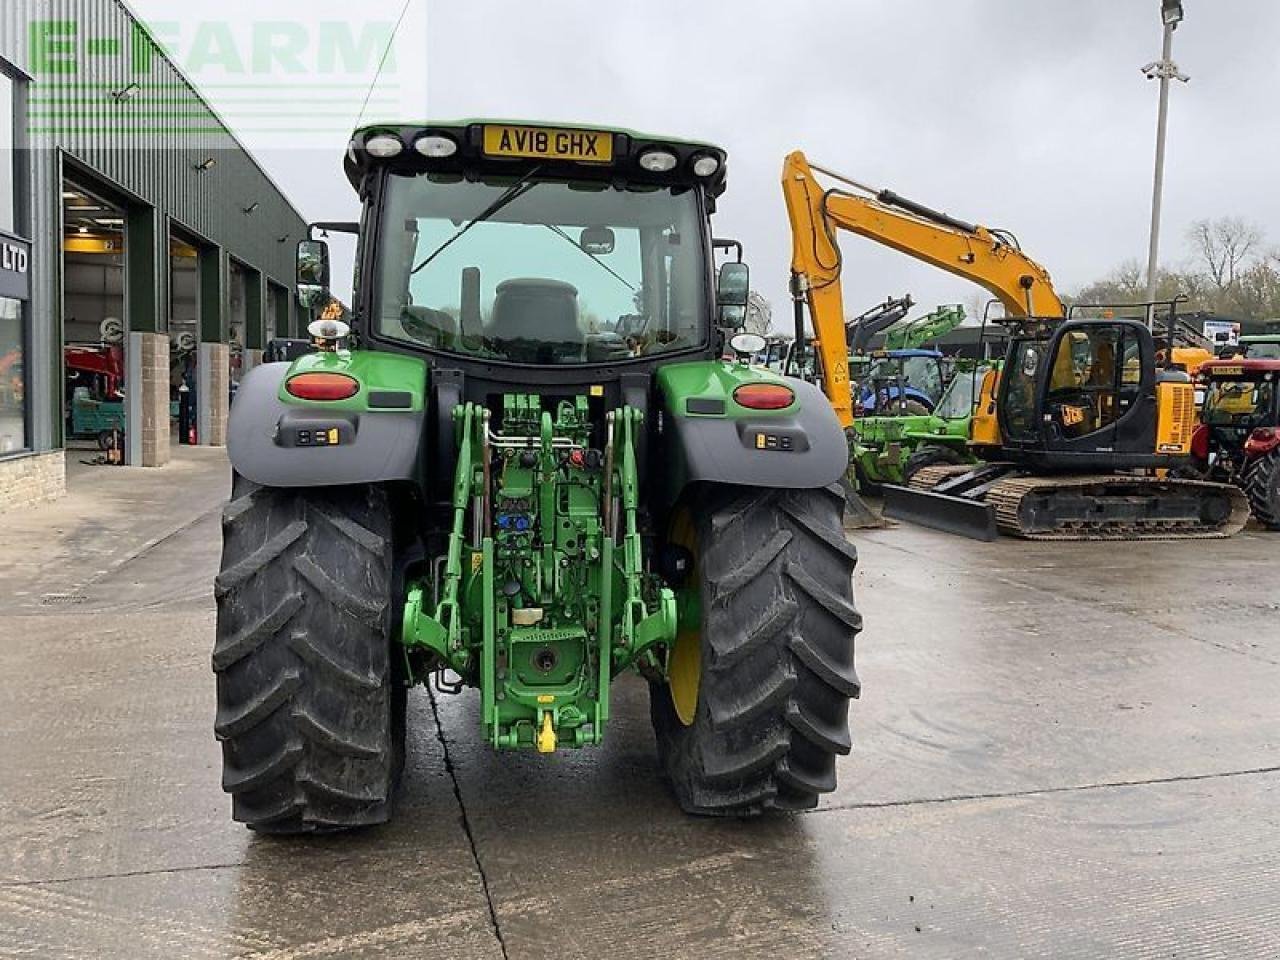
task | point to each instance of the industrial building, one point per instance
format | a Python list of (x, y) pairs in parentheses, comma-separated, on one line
[(145, 257)]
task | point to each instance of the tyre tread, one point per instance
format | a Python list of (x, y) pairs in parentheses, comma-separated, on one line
[(306, 701), (1262, 487), (778, 626)]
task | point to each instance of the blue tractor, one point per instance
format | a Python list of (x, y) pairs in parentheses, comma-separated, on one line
[(898, 381)]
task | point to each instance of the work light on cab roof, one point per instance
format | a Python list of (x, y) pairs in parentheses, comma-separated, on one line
[(571, 152)]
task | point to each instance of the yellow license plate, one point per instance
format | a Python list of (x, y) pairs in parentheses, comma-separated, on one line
[(1228, 371), (549, 143)]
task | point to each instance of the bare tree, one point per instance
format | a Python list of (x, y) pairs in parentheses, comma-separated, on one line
[(1125, 284), (1230, 273), (1223, 247), (1256, 294)]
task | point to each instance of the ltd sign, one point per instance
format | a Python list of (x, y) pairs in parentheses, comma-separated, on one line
[(15, 268)]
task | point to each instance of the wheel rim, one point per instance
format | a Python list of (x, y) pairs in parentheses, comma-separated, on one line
[(684, 666), (684, 675)]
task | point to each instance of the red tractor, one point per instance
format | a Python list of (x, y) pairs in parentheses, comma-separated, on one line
[(1238, 439)]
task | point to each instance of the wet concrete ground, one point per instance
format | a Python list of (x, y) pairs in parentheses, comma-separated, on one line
[(1067, 750)]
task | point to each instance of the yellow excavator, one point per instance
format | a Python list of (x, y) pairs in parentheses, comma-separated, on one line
[(1084, 425)]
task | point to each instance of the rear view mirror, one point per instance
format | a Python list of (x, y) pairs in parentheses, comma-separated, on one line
[(597, 241), (732, 290), (313, 273)]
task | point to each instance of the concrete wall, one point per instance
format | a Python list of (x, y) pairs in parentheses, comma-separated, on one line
[(31, 479)]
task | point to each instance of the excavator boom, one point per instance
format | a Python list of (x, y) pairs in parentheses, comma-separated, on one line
[(988, 257)]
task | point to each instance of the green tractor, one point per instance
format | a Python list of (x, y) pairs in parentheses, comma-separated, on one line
[(891, 447), (527, 468)]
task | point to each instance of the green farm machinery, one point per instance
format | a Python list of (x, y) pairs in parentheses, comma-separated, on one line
[(891, 447), (924, 329), (529, 468)]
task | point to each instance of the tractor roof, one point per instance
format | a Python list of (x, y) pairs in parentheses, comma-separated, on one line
[(511, 147), (1238, 367)]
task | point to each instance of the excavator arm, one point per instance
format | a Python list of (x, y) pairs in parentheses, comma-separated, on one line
[(988, 257)]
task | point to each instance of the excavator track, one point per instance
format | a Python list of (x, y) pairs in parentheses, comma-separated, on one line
[(1109, 502), (926, 478), (1105, 506)]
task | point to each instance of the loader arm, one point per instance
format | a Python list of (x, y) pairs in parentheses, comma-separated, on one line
[(932, 326), (882, 316), (988, 258)]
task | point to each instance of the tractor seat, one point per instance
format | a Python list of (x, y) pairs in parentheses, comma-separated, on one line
[(536, 321)]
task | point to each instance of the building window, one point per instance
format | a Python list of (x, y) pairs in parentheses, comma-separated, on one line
[(13, 382), (8, 162), (13, 313)]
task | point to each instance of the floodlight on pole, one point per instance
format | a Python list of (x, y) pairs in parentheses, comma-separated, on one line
[(1163, 70)]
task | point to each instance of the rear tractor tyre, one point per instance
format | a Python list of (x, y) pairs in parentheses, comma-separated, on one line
[(310, 719), (757, 707), (1261, 483), (932, 455)]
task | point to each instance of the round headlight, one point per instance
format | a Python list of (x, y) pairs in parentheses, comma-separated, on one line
[(384, 146), (434, 145), (658, 161), (706, 165)]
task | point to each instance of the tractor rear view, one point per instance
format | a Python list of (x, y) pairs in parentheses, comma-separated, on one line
[(525, 469)]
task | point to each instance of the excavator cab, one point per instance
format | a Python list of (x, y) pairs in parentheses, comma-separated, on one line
[(1086, 395)]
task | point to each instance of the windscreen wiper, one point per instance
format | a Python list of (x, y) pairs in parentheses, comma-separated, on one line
[(587, 253), (517, 189)]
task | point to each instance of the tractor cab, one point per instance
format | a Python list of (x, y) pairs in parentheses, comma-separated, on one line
[(1241, 404), (898, 381), (1238, 440), (566, 262), (492, 246)]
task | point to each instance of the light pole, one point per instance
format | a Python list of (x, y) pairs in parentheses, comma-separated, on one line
[(1163, 70)]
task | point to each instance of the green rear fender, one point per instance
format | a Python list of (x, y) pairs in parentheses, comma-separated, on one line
[(373, 436), (707, 435)]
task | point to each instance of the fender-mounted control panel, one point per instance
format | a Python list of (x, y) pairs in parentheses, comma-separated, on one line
[(774, 438), (315, 432)]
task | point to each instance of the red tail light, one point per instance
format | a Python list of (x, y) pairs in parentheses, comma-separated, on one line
[(764, 396), (322, 386)]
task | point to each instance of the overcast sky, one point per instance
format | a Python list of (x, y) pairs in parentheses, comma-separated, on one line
[(1030, 115)]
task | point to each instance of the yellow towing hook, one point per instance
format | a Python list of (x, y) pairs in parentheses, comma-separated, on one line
[(546, 739)]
